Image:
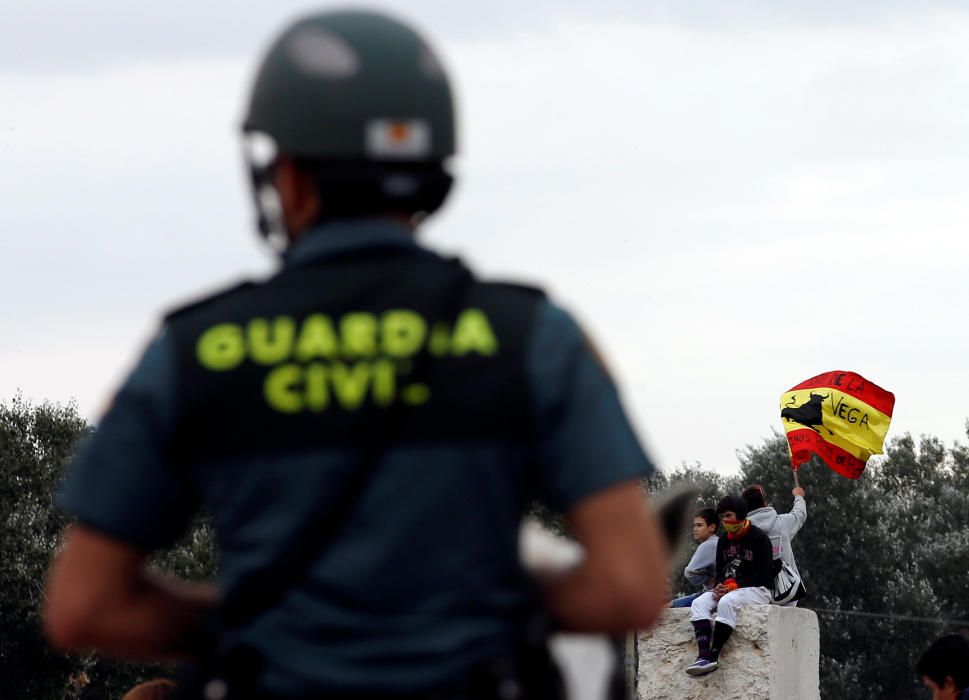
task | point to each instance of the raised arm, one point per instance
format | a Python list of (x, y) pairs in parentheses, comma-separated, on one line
[(794, 520)]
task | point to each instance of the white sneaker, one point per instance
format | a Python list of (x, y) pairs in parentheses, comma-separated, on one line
[(702, 667)]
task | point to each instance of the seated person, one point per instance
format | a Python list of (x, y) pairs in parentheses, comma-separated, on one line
[(744, 577), (702, 569), (944, 668), (781, 529)]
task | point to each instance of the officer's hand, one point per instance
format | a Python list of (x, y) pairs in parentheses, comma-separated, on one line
[(798, 491), (719, 591)]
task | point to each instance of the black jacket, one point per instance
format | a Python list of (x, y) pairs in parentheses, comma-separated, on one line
[(748, 560)]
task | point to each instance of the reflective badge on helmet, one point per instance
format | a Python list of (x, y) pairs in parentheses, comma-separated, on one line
[(398, 138)]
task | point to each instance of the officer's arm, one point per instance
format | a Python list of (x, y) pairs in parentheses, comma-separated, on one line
[(621, 583), (129, 500), (99, 595), (591, 466)]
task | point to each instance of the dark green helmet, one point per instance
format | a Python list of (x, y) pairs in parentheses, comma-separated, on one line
[(353, 85), (361, 102)]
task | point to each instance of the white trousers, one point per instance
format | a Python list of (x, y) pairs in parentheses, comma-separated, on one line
[(706, 607)]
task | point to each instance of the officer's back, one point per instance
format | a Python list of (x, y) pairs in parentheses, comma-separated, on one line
[(458, 400)]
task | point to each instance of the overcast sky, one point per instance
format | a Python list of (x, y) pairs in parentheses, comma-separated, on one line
[(732, 197)]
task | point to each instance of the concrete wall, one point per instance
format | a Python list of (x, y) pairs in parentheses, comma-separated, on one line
[(772, 654)]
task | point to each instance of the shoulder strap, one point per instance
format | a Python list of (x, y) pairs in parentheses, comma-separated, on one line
[(261, 592), (204, 301)]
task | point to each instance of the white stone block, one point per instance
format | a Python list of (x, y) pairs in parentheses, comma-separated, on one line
[(773, 654)]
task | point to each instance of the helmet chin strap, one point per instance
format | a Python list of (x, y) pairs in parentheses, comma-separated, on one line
[(269, 211), (269, 220), (259, 153)]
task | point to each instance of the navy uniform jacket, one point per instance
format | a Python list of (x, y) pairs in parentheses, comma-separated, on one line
[(424, 581)]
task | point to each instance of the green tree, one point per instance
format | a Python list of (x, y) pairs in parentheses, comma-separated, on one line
[(893, 543), (36, 444)]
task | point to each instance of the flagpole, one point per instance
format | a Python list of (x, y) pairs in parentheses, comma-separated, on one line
[(797, 482)]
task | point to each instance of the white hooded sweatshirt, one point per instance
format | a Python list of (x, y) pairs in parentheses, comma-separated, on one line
[(781, 528)]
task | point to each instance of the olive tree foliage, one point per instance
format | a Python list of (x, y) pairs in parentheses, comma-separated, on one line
[(875, 553), (36, 444)]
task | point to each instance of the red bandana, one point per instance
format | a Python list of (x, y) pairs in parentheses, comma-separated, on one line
[(736, 528)]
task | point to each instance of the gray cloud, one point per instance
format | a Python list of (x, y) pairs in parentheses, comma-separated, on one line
[(67, 36), (676, 186)]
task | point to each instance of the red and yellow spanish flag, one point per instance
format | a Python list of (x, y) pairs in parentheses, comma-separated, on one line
[(839, 416)]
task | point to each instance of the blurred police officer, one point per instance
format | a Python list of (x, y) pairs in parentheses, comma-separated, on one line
[(459, 401)]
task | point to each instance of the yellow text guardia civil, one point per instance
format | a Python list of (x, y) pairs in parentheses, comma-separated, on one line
[(321, 361)]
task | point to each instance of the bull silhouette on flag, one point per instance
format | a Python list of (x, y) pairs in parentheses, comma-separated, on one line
[(809, 414), (839, 416)]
